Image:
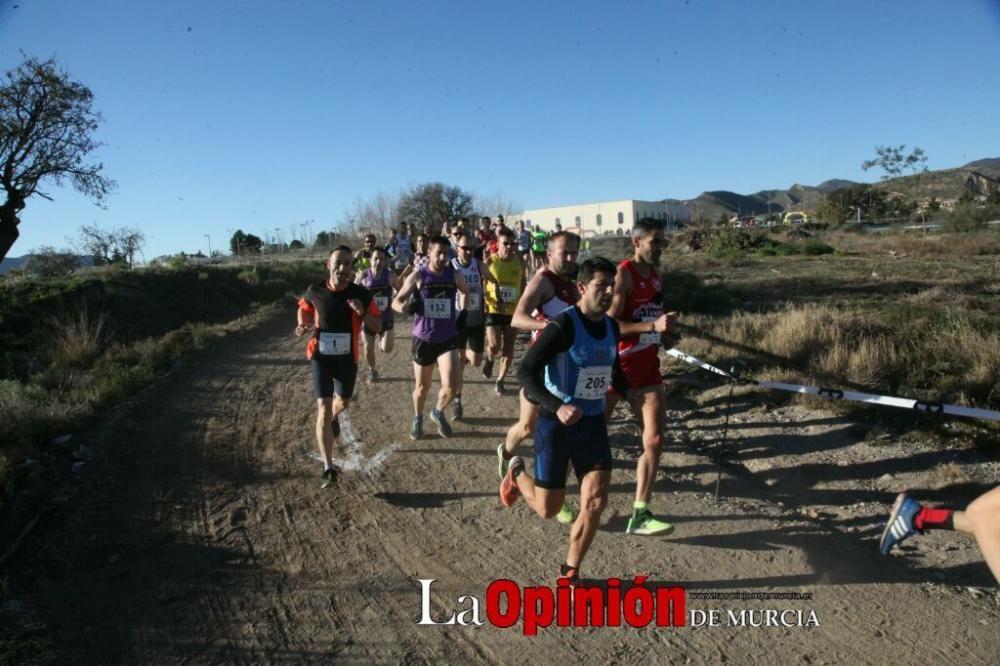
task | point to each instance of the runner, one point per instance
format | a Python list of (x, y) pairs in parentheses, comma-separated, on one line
[(567, 371), (471, 340), (981, 519), (400, 248), (334, 310), (380, 281), (484, 237), (363, 257), (638, 310), (523, 242), (507, 270), (420, 255), (549, 292), (538, 243), (436, 323)]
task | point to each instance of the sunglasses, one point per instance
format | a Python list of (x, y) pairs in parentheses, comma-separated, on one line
[(507, 244), (467, 248)]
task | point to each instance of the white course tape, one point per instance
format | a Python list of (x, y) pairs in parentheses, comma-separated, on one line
[(853, 396)]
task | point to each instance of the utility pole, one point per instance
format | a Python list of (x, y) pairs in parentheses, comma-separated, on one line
[(209, 245)]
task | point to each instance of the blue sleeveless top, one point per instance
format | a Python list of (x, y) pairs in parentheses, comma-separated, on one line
[(581, 376)]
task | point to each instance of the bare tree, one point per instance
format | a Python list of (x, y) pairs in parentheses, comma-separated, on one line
[(433, 204), (376, 215), (46, 127), (109, 247), (497, 203)]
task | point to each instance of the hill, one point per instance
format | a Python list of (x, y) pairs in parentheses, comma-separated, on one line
[(977, 178)]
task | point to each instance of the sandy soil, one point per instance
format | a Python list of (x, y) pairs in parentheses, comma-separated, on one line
[(198, 532)]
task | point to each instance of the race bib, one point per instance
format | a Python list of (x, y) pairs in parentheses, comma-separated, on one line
[(593, 382), (382, 302), (473, 300), (508, 294), (649, 338), (437, 308), (334, 344)]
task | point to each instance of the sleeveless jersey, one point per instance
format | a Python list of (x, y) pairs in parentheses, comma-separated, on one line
[(581, 376), (509, 274), (381, 291), (643, 304), (436, 321), (566, 294), (474, 286), (538, 240), (404, 251)]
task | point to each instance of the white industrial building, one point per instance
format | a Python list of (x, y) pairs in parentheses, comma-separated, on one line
[(604, 217)]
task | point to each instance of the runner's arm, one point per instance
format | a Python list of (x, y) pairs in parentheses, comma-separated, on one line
[(304, 316), (462, 289), (538, 289), (409, 285), (618, 381), (373, 316), (556, 337), (623, 287)]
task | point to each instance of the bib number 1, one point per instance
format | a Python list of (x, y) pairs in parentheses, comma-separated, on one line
[(334, 344)]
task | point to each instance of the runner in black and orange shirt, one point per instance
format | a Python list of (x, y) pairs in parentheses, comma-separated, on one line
[(334, 309)]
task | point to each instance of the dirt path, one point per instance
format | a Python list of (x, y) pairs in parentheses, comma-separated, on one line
[(199, 533)]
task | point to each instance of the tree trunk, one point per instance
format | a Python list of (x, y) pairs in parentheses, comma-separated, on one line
[(8, 230)]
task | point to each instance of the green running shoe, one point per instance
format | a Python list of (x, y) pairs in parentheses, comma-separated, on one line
[(417, 428), (644, 524), (566, 515), (503, 461)]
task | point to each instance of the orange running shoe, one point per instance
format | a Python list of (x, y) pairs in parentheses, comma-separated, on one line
[(508, 487)]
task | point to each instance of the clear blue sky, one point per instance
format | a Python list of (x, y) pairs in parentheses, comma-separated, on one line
[(226, 114)]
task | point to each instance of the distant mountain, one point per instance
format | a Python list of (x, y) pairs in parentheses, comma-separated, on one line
[(835, 184), (16, 263), (977, 178), (988, 163), (13, 263)]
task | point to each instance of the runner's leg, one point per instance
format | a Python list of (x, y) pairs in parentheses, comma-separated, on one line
[(593, 499), (648, 404), (423, 375), (324, 433)]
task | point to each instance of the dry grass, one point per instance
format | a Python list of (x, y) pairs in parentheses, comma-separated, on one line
[(76, 340), (941, 358)]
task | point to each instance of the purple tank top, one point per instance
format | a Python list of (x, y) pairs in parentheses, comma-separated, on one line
[(381, 291), (436, 323)]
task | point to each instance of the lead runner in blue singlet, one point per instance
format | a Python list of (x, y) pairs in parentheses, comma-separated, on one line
[(567, 372)]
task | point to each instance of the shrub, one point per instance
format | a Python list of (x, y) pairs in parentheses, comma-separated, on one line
[(76, 340)]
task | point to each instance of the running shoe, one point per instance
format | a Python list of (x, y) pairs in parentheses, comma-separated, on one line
[(504, 460), (643, 523), (458, 414), (500, 388), (444, 429), (329, 478), (488, 368), (900, 526), (572, 574), (417, 429), (335, 426), (566, 515), (372, 375), (508, 487)]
